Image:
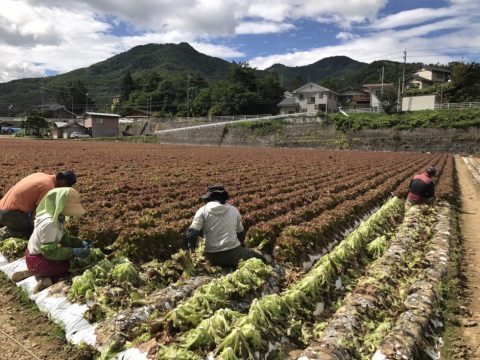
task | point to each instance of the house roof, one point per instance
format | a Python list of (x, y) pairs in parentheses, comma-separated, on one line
[(4, 123), (312, 88), (60, 124), (436, 68), (375, 86), (289, 101), (101, 114), (352, 93), (63, 124)]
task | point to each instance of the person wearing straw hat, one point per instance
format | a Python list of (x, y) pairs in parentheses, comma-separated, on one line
[(222, 228), (19, 203), (50, 247)]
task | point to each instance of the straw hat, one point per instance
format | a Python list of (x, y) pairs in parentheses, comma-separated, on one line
[(73, 206)]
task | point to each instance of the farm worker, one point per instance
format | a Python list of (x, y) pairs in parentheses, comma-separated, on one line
[(19, 203), (222, 228), (50, 246), (422, 187)]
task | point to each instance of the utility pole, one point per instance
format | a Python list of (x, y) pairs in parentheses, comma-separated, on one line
[(86, 102), (188, 95), (150, 111), (43, 99), (404, 67), (383, 74), (399, 106)]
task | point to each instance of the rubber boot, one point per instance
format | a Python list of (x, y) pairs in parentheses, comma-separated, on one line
[(43, 283), (20, 275)]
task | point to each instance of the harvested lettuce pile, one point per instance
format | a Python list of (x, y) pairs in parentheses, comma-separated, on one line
[(111, 285), (13, 248), (182, 265)]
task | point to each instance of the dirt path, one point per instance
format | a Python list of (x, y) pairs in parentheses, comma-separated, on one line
[(470, 225), (20, 319)]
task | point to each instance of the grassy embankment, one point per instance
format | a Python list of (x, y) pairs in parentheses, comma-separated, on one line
[(447, 118)]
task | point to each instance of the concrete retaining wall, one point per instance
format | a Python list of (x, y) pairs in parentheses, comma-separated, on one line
[(317, 135)]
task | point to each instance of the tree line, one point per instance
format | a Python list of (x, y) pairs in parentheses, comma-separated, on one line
[(181, 94)]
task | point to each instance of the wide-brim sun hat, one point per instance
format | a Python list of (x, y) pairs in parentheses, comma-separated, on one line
[(73, 206), (214, 189)]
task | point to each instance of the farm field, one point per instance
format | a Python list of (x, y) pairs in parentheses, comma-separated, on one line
[(355, 274)]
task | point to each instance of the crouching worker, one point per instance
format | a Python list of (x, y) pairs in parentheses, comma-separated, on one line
[(50, 247), (19, 203), (222, 228), (422, 188)]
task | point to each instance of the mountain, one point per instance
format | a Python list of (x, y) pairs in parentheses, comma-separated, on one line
[(341, 72), (102, 79), (335, 66), (174, 61)]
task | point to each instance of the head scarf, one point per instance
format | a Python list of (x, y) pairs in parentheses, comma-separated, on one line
[(53, 203)]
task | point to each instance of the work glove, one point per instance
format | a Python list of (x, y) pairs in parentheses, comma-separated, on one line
[(192, 238), (241, 238), (86, 244), (80, 252), (192, 243)]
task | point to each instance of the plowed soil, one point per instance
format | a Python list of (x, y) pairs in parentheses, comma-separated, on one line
[(470, 225), (21, 321)]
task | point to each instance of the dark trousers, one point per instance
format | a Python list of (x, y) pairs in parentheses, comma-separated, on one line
[(18, 223), (230, 258)]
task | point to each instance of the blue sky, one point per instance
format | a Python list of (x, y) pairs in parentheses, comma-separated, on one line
[(46, 37)]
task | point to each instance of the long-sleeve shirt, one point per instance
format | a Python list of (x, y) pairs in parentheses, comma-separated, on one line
[(51, 239), (27, 193), (220, 224)]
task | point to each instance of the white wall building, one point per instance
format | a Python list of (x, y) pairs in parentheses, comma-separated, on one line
[(309, 98)]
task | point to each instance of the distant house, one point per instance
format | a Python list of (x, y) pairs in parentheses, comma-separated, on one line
[(354, 99), (429, 75), (309, 98), (101, 124), (136, 114), (63, 129), (375, 91), (55, 111)]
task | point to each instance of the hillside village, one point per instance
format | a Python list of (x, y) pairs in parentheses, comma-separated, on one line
[(426, 87)]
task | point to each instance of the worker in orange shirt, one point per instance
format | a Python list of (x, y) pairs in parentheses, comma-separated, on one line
[(17, 207)]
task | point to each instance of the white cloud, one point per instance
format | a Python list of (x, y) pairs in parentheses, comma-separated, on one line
[(389, 46), (262, 27), (345, 35), (220, 51), (411, 17), (36, 35)]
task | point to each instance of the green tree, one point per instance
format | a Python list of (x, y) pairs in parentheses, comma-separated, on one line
[(270, 94), (242, 74), (202, 103), (459, 73), (389, 101), (127, 85), (75, 97), (35, 124)]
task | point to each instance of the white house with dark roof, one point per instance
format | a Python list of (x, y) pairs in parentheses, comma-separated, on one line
[(428, 75), (309, 98)]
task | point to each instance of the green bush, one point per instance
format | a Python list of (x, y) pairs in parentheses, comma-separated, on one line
[(448, 118)]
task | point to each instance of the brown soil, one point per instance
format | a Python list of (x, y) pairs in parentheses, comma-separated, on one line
[(21, 320), (470, 226)]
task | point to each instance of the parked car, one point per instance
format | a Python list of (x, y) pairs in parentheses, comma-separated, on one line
[(78, 135)]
